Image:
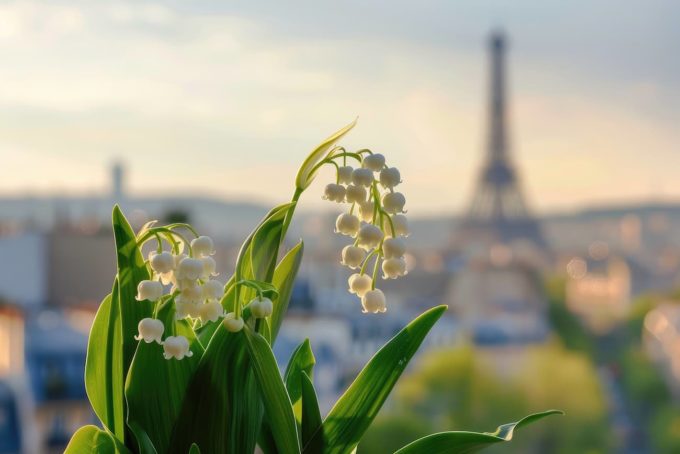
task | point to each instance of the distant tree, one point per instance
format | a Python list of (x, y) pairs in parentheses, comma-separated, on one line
[(176, 215)]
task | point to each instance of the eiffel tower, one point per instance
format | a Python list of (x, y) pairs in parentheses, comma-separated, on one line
[(498, 212)]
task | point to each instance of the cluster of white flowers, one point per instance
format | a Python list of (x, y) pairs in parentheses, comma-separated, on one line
[(376, 222), (196, 294)]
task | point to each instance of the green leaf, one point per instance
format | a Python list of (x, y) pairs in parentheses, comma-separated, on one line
[(306, 173), (301, 361), (311, 417), (91, 439), (155, 386), (221, 411), (357, 407), (469, 442), (284, 279), (104, 366), (144, 443), (194, 449), (264, 247), (131, 271), (274, 396)]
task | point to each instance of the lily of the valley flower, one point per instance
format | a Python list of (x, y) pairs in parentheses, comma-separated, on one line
[(334, 193), (393, 268), (374, 301), (176, 347), (150, 330), (211, 311), (184, 309), (149, 290), (400, 223), (374, 162), (394, 202), (359, 284), (352, 256), (189, 268), (191, 294), (162, 262), (393, 248), (366, 211), (345, 174), (202, 246), (362, 177), (369, 236), (347, 224), (355, 194), (232, 324), (213, 290), (261, 307), (209, 266), (390, 177)]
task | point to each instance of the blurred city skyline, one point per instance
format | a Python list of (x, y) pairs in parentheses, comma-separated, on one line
[(227, 99)]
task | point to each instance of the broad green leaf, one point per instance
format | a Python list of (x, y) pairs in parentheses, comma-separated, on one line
[(194, 449), (104, 366), (131, 271), (284, 279), (91, 439), (264, 247), (274, 396), (469, 442), (221, 412), (155, 386), (144, 443), (351, 415), (306, 173), (301, 361), (311, 417)]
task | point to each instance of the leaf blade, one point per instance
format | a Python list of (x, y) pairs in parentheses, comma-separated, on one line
[(301, 361), (311, 417), (89, 439), (284, 280)]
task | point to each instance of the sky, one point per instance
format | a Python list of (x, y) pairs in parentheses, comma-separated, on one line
[(227, 98)]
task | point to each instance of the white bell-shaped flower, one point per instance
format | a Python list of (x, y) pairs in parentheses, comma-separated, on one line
[(359, 284), (189, 268), (369, 236), (232, 324), (162, 262), (213, 290), (374, 301), (362, 177), (202, 246), (192, 293), (393, 268), (261, 308), (390, 177), (209, 266), (184, 308), (347, 224), (149, 290), (150, 330), (375, 162), (366, 210), (356, 194), (393, 247), (211, 311), (176, 347), (334, 193), (352, 256), (345, 174), (394, 202), (400, 223)]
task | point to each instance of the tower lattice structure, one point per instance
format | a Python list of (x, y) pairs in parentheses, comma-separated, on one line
[(498, 212)]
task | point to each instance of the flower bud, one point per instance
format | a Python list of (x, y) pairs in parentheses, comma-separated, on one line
[(359, 284), (362, 177), (352, 256), (390, 177), (149, 290), (347, 224), (374, 301), (231, 323), (210, 311), (393, 247), (176, 347), (394, 202), (356, 194), (334, 193), (345, 174), (393, 268), (213, 290), (261, 308), (202, 246), (163, 262), (366, 211), (400, 224), (369, 236), (150, 330), (374, 162), (189, 268), (209, 266)]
